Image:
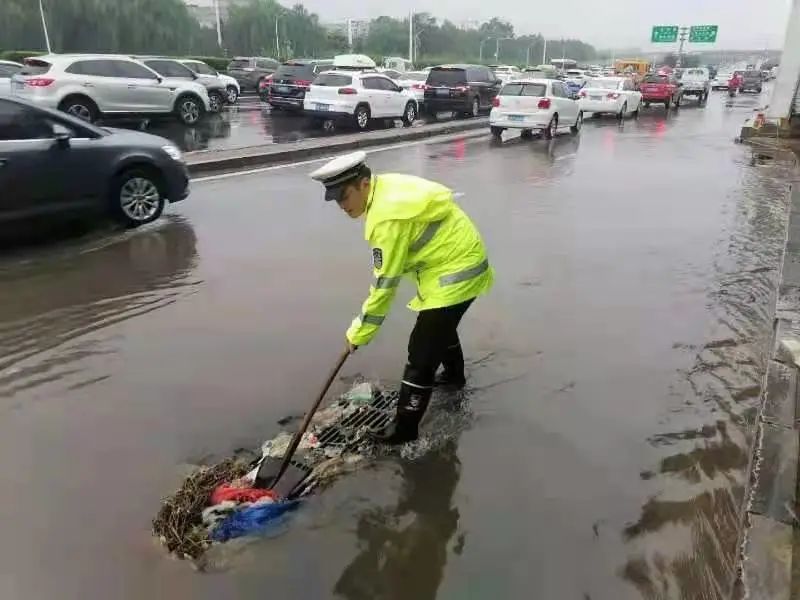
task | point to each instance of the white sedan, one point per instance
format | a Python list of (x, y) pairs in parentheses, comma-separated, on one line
[(614, 95), (414, 82), (720, 82), (535, 105)]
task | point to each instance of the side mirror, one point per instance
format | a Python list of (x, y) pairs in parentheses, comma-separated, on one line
[(62, 135), (160, 79)]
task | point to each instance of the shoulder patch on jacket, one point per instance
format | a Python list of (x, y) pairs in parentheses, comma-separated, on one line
[(377, 258)]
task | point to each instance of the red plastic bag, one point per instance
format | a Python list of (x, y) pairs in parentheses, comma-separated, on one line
[(232, 492)]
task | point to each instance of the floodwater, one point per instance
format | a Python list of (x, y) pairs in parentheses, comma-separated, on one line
[(249, 123), (614, 377)]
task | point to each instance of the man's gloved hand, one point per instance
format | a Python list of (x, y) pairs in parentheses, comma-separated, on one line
[(350, 347)]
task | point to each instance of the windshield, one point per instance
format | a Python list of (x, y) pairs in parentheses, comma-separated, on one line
[(299, 71), (170, 68), (333, 80), (603, 84), (415, 76), (35, 66), (575, 73), (656, 79), (239, 63), (450, 77), (524, 89), (201, 67)]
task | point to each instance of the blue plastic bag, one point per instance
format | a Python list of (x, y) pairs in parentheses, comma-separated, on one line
[(252, 520)]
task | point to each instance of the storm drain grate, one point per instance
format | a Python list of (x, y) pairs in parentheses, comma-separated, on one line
[(374, 416)]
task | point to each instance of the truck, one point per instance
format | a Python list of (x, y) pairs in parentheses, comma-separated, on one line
[(696, 82)]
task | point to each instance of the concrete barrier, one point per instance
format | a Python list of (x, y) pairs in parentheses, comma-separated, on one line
[(207, 161)]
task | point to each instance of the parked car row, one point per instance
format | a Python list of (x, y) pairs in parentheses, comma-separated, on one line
[(93, 87)]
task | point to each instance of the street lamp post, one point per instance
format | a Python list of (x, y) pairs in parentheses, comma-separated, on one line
[(277, 40), (528, 56), (480, 49), (497, 47), (44, 27)]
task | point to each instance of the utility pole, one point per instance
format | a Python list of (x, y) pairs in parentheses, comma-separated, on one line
[(411, 36), (219, 27), (497, 48), (480, 48), (684, 33), (544, 52), (44, 27), (277, 40)]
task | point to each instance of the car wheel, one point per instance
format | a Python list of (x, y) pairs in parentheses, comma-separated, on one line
[(410, 114), (526, 134), (678, 100), (496, 131), (668, 103), (361, 117), (475, 109), (189, 110), (137, 197), (635, 114), (83, 108), (576, 129), (552, 128), (622, 111), (647, 105), (232, 94), (215, 101)]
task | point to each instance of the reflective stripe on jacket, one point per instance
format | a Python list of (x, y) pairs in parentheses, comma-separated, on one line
[(415, 229)]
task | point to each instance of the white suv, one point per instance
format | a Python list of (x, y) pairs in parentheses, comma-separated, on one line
[(91, 86), (359, 97)]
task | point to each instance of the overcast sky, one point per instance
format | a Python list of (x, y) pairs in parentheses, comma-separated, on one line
[(619, 23)]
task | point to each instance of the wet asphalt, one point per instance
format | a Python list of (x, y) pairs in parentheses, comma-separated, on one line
[(614, 377), (250, 123)]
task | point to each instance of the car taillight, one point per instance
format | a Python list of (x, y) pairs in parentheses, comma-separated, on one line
[(496, 101), (612, 95), (302, 83), (347, 91), (39, 81), (544, 103), (419, 86), (582, 94)]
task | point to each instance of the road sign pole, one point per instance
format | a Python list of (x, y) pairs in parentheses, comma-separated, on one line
[(684, 32)]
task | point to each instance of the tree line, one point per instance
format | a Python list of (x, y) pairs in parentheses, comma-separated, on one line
[(167, 27)]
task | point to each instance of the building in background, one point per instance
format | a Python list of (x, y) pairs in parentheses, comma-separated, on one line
[(352, 29), (205, 10)]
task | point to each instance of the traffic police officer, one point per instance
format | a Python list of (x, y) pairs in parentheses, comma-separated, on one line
[(415, 229)]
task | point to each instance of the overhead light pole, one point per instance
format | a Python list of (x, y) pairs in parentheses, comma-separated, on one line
[(44, 27), (497, 47), (480, 49)]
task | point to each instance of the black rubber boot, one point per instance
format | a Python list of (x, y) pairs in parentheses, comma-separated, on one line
[(411, 407), (452, 376)]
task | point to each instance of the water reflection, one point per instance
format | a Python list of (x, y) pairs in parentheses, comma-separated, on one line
[(404, 549), (684, 542), (82, 287)]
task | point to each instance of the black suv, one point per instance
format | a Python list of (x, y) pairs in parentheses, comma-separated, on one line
[(464, 89), (292, 80)]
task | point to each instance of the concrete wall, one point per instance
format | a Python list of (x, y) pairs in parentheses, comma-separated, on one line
[(780, 106)]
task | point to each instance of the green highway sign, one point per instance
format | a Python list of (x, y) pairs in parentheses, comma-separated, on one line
[(664, 34), (703, 34)]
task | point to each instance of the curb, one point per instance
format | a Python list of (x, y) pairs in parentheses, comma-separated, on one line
[(220, 160), (770, 521)]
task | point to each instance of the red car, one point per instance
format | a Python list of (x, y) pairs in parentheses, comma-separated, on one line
[(661, 88)]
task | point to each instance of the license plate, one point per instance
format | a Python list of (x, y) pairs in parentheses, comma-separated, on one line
[(442, 92), (322, 107), (595, 97), (516, 118), (283, 89)]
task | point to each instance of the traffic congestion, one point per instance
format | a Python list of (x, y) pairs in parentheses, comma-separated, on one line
[(185, 247)]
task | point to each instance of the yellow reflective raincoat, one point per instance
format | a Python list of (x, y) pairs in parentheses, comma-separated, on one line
[(415, 229)]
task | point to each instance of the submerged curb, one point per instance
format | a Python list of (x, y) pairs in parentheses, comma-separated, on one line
[(770, 526), (207, 161)]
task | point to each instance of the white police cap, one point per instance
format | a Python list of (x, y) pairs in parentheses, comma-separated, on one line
[(338, 172)]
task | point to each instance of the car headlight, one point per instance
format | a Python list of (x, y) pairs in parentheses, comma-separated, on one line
[(173, 152)]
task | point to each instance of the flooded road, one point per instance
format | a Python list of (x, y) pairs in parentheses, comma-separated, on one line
[(614, 376)]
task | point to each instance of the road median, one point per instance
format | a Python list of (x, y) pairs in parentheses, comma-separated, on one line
[(207, 161)]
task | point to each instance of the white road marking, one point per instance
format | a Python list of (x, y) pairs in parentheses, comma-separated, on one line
[(325, 158)]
